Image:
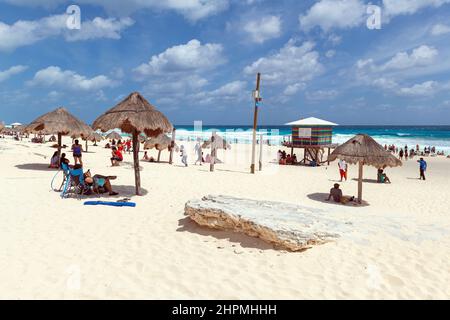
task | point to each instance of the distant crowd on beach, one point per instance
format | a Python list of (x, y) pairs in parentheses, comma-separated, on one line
[(409, 153)]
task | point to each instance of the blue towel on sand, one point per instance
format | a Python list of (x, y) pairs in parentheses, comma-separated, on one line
[(112, 204)]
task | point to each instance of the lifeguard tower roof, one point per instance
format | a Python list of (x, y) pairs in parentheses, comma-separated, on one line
[(312, 122)]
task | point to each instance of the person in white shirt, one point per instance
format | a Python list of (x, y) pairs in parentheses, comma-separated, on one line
[(343, 169), (184, 155)]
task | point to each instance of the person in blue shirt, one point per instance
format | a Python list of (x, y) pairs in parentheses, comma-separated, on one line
[(423, 168)]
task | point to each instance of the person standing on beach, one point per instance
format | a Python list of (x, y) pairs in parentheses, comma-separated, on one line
[(199, 152), (343, 169), (77, 150), (423, 168), (184, 156), (400, 154)]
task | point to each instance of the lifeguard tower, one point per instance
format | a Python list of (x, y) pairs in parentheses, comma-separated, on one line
[(314, 136)]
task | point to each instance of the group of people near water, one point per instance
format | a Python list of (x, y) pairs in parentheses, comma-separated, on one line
[(405, 153)]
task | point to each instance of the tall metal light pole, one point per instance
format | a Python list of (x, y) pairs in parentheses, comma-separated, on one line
[(258, 99)]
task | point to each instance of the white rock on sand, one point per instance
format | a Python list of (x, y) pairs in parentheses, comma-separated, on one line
[(287, 226)]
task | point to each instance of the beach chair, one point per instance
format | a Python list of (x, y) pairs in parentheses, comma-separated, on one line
[(73, 182)]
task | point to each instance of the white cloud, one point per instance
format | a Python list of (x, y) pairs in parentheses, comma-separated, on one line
[(264, 28), (27, 32), (233, 91), (6, 74), (402, 7), (419, 57), (191, 9), (176, 86), (293, 89), (190, 57), (330, 54), (100, 28), (329, 14), (345, 14), (292, 64), (54, 77), (440, 29), (321, 95), (427, 88)]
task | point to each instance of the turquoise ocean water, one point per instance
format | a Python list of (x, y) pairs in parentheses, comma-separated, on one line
[(425, 136)]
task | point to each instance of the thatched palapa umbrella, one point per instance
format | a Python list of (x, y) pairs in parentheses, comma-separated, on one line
[(134, 115), (364, 150), (219, 143), (60, 122), (93, 137), (160, 143), (114, 135)]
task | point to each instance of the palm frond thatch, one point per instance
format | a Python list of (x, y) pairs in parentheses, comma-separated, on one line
[(134, 113), (363, 148), (59, 121), (114, 135), (95, 137), (161, 142)]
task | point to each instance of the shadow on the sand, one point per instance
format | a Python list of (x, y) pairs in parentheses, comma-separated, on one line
[(123, 192), (321, 197), (188, 225), (369, 181), (35, 167), (234, 171)]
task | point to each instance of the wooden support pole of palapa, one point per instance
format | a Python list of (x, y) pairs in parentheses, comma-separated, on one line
[(172, 146), (213, 152), (137, 174), (255, 122), (360, 181), (59, 143)]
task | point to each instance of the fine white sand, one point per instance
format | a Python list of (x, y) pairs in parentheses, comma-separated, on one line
[(54, 248)]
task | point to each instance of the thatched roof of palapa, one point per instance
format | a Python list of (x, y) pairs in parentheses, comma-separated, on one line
[(363, 148), (134, 113), (95, 136), (220, 143), (114, 135), (59, 121), (161, 142), (16, 129)]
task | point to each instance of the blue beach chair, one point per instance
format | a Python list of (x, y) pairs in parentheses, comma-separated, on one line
[(73, 181)]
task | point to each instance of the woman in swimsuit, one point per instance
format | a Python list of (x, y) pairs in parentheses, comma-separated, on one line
[(77, 150)]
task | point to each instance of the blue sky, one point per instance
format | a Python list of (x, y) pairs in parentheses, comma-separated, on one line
[(197, 59)]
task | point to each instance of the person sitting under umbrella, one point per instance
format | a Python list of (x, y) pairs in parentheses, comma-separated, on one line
[(336, 194), (382, 177)]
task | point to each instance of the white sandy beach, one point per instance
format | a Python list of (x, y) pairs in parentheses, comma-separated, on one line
[(399, 246)]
